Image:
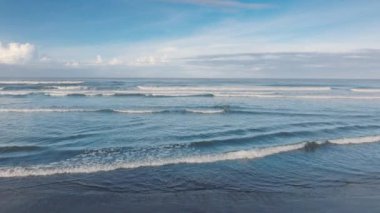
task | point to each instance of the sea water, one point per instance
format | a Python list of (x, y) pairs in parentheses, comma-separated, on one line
[(184, 135)]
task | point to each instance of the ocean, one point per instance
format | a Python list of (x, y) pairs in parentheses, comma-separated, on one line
[(189, 145)]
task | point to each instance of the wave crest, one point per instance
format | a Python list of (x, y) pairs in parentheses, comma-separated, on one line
[(365, 90), (229, 89), (91, 167), (39, 82)]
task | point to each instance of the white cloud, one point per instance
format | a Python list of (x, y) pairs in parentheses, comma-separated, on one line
[(15, 53), (243, 48), (45, 59), (151, 60), (72, 64), (99, 59), (115, 61)]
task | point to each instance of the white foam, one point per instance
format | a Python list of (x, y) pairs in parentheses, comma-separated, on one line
[(48, 110), (62, 93), (67, 91), (315, 97), (127, 111), (358, 140), (40, 82), (18, 92), (69, 87), (43, 170), (332, 97), (205, 111), (366, 90), (253, 88), (247, 95), (122, 92), (176, 94), (54, 92), (90, 167), (131, 111)]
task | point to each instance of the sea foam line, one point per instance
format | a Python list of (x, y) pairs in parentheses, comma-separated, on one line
[(69, 87), (56, 168), (126, 111), (40, 82), (52, 170), (252, 88), (71, 92), (47, 110), (363, 90), (358, 140), (205, 111)]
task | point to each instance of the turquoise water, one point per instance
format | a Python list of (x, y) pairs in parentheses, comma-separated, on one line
[(176, 135)]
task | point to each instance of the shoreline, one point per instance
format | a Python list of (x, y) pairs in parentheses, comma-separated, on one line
[(350, 198)]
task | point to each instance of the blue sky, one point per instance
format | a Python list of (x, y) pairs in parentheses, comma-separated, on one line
[(190, 38)]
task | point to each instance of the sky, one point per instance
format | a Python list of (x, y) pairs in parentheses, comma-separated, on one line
[(190, 38)]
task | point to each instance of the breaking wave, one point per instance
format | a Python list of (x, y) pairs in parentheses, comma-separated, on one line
[(206, 111), (322, 97), (84, 92), (363, 90), (72, 91), (201, 110), (131, 111), (39, 82), (358, 140), (69, 167), (253, 88), (18, 92), (127, 111), (68, 87)]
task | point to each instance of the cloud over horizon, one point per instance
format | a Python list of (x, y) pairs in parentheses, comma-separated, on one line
[(193, 38), (15, 53)]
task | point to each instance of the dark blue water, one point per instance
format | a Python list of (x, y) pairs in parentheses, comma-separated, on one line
[(164, 136)]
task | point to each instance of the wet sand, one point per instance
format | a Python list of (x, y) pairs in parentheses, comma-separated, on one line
[(29, 196)]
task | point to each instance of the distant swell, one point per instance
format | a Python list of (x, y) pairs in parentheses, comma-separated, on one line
[(96, 93), (205, 110), (90, 93), (126, 111), (8, 149), (44, 110), (90, 167)]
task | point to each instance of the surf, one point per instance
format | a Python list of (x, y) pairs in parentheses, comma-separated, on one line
[(39, 82), (251, 154)]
